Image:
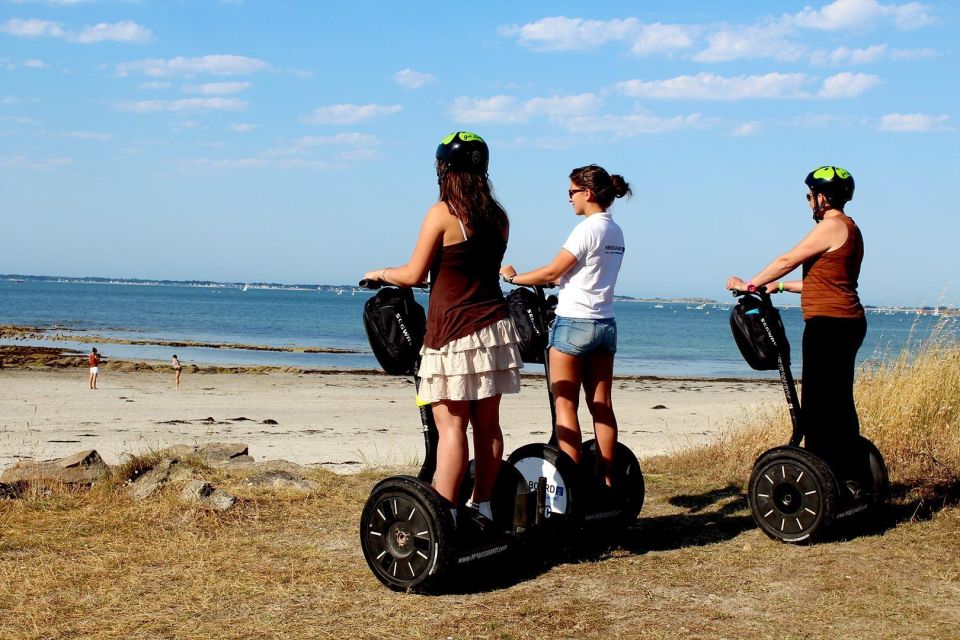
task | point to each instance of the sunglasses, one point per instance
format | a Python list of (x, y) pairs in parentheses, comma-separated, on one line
[(570, 192), (809, 197)]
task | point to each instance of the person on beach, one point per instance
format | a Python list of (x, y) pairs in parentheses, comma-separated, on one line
[(583, 338), (176, 371), (94, 360), (834, 322), (470, 354)]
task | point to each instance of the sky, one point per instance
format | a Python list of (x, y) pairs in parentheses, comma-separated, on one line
[(294, 141)]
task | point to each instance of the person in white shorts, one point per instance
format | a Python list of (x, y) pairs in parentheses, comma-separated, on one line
[(583, 338)]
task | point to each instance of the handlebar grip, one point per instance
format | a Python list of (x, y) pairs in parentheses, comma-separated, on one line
[(372, 285)]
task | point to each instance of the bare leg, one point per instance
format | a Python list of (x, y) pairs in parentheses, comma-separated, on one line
[(451, 417), (176, 379), (94, 381), (598, 388), (487, 445), (90, 380), (565, 377)]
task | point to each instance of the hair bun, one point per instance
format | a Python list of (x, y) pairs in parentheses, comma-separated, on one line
[(620, 186)]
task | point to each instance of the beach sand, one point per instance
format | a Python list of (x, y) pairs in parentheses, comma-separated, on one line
[(342, 421)]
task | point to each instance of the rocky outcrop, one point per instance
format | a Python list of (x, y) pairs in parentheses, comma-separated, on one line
[(213, 453), (207, 495), (280, 480), (85, 467), (163, 473)]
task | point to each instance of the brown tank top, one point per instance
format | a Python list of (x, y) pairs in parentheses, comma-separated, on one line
[(830, 279), (465, 293)]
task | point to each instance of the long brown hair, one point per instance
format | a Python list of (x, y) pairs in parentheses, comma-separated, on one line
[(470, 197), (605, 187)]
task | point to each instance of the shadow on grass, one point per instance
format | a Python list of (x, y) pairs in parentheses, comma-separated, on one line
[(711, 517)]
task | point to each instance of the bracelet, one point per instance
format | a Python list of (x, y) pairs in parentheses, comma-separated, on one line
[(780, 287), (510, 279), (383, 274), (751, 287)]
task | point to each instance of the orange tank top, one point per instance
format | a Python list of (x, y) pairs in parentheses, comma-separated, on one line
[(830, 279)]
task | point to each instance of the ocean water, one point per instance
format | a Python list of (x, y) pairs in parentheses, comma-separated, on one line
[(662, 340)]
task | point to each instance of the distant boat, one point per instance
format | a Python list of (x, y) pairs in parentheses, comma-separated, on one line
[(245, 287), (658, 306)]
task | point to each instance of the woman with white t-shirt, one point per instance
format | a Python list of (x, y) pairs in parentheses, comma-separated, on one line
[(583, 338)]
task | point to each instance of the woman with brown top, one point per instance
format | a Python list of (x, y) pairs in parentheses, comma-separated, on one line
[(470, 355), (834, 322)]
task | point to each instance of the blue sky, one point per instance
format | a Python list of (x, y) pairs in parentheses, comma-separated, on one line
[(293, 141)]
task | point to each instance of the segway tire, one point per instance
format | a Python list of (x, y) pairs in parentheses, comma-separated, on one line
[(880, 479), (628, 486), (534, 461), (406, 534), (792, 494)]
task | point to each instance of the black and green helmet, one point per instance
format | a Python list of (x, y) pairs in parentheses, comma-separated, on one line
[(464, 151), (833, 182)]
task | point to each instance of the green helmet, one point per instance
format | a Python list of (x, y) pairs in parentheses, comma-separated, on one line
[(833, 182), (464, 151)]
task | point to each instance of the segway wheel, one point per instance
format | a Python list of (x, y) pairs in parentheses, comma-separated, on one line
[(792, 495), (628, 486), (509, 484), (878, 471), (406, 534), (535, 461)]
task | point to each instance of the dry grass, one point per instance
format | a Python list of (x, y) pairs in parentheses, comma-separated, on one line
[(287, 565)]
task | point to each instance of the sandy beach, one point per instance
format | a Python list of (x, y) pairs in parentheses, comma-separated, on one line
[(343, 421)]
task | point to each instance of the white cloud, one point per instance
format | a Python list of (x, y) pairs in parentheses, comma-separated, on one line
[(914, 122), (755, 41), (507, 109), (155, 84), (303, 145), (123, 31), (217, 88), (35, 164), (33, 28), (186, 104), (748, 129), (709, 86), (635, 124), (33, 63), (87, 135), (350, 113), (217, 65), (912, 54), (242, 127), (11, 64), (412, 79), (259, 163), (560, 33), (861, 14), (847, 85)]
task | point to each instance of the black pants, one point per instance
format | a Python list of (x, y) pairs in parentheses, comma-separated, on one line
[(828, 414)]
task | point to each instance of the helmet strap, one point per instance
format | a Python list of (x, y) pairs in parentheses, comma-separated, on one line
[(441, 175), (819, 209)]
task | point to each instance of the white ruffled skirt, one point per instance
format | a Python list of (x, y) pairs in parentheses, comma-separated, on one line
[(480, 365)]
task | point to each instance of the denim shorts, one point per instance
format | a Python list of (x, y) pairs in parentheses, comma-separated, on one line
[(582, 337)]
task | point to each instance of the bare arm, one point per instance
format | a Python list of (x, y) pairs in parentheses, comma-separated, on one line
[(827, 235), (547, 274), (429, 240)]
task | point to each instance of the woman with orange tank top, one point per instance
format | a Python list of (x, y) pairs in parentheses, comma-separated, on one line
[(834, 322)]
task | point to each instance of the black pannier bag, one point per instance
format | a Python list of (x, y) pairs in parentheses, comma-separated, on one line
[(747, 320), (531, 317), (395, 324)]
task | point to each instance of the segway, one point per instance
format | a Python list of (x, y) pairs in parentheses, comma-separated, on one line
[(794, 495), (407, 532), (574, 496)]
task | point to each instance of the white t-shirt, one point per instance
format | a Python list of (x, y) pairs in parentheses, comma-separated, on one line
[(586, 290)]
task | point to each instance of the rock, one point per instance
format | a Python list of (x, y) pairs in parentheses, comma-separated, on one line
[(269, 421), (281, 480), (204, 493), (164, 472), (659, 406), (85, 467), (213, 453)]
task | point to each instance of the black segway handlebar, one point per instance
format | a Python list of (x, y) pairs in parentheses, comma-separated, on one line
[(759, 290), (372, 284)]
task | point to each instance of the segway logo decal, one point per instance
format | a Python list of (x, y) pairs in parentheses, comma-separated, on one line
[(403, 328), (552, 489), (482, 554)]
